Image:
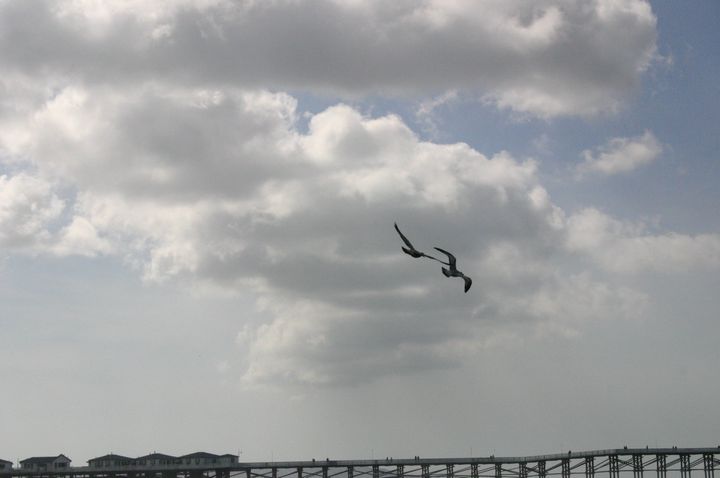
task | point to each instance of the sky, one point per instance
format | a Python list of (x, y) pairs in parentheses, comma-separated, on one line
[(197, 250)]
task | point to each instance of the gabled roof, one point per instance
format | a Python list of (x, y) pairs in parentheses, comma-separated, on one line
[(5, 461), (156, 456), (229, 454), (40, 460), (200, 454), (110, 456)]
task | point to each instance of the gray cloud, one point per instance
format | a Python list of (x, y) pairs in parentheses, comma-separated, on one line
[(304, 221), (545, 58), (153, 140), (150, 117)]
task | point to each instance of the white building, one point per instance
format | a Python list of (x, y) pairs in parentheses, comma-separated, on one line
[(110, 461), (202, 458), (228, 459), (45, 463), (156, 459)]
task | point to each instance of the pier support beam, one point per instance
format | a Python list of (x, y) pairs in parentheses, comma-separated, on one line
[(709, 465), (637, 466), (685, 468), (565, 468), (589, 467), (614, 466), (661, 466)]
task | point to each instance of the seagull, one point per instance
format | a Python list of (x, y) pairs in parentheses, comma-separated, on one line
[(452, 271), (410, 249)]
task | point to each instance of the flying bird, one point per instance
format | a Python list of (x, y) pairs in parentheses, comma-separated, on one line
[(410, 249), (452, 271)]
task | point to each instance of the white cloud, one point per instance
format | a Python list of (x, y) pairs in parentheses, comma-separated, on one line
[(80, 238), (221, 187), (28, 206), (32, 217), (425, 113), (549, 58), (621, 155), (629, 248)]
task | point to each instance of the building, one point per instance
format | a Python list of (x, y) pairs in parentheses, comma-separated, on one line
[(199, 458), (45, 463), (229, 459), (110, 461), (202, 458), (5, 465), (156, 459)]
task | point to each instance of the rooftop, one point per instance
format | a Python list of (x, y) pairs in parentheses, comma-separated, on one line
[(110, 456), (43, 459), (200, 454), (156, 456)]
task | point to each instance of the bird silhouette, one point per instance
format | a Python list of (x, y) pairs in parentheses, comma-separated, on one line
[(410, 249), (452, 270)]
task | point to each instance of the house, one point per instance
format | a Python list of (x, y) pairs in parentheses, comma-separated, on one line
[(5, 465), (110, 461), (156, 459), (202, 458), (199, 458), (228, 459), (45, 463)]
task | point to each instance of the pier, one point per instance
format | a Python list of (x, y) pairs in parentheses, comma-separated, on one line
[(612, 463)]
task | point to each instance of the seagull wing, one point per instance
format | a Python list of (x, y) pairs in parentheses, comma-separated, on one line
[(468, 283), (410, 250), (451, 258), (405, 239)]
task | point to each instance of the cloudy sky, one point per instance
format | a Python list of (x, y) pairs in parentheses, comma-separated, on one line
[(197, 251)]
